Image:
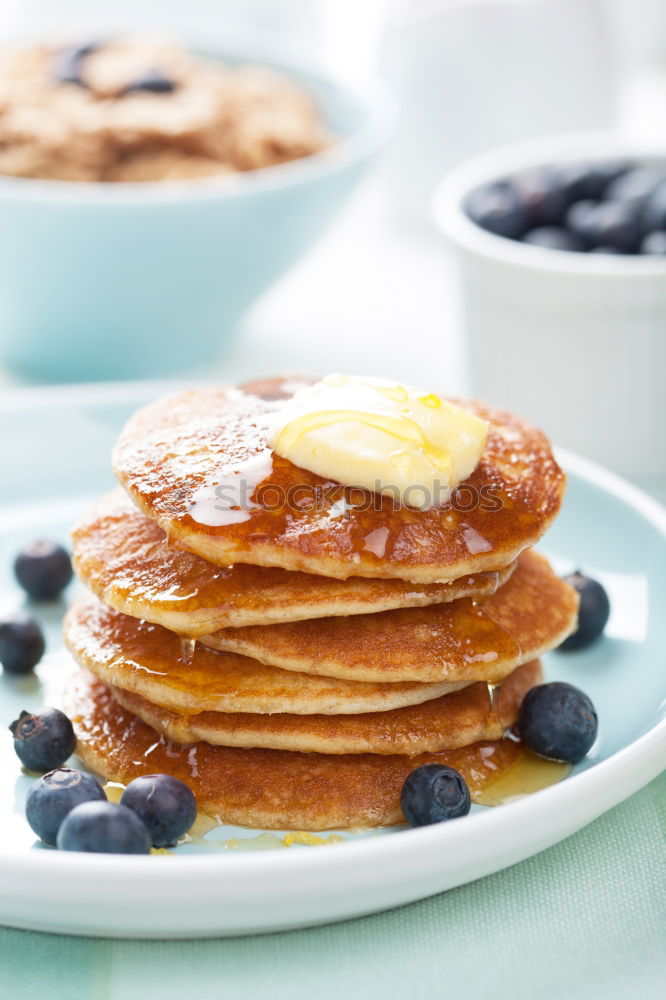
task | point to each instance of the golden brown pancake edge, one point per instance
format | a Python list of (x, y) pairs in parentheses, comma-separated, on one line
[(269, 789), (147, 659), (122, 556), (534, 611), (175, 446), (453, 720)]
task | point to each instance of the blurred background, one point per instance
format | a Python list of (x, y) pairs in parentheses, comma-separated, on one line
[(374, 286)]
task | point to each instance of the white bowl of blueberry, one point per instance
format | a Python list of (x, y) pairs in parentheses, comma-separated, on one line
[(560, 245)]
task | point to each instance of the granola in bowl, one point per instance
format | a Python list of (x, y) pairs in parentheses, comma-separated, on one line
[(141, 109)]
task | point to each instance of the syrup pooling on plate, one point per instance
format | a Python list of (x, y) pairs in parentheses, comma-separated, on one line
[(528, 774)]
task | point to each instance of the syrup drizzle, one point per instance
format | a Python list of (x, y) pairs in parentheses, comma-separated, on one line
[(187, 649)]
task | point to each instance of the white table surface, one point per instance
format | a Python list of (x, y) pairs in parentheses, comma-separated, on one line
[(373, 297)]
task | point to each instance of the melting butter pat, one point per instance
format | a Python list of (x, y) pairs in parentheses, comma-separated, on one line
[(382, 436)]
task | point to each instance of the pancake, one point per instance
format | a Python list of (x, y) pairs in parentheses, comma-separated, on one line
[(173, 455), (452, 721), (267, 789), (532, 613), (122, 557), (148, 660)]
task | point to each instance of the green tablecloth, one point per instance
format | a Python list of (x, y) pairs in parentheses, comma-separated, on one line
[(585, 919)]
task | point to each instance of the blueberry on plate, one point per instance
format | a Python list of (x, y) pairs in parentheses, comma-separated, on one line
[(21, 643), (553, 238), (43, 569), (43, 740), (54, 795), (498, 209), (558, 721), (654, 243), (433, 793), (593, 612), (103, 828), (165, 804)]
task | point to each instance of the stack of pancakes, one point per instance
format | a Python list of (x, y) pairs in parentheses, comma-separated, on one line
[(293, 657)]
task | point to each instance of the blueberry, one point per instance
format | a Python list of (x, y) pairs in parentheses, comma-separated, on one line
[(165, 804), (618, 225), (553, 238), (581, 222), (433, 793), (43, 569), (497, 208), (558, 721), (654, 243), (103, 828), (68, 63), (153, 81), (589, 180), (44, 739), (54, 795), (593, 612), (542, 197), (654, 208), (606, 223), (634, 187), (21, 643)]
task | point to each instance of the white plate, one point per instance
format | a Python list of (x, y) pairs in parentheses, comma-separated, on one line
[(54, 455)]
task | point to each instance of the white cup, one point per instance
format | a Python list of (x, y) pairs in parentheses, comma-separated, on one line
[(575, 342), (469, 75)]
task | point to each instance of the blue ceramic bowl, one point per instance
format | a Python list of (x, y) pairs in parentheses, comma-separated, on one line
[(103, 281)]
